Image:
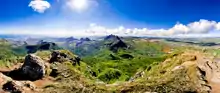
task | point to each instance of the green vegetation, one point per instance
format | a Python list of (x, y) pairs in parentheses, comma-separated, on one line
[(145, 66), (112, 66), (112, 75), (10, 55)]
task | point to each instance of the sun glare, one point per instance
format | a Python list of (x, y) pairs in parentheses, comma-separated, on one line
[(79, 4)]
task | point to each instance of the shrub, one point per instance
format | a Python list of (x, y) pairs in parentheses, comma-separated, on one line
[(111, 75)]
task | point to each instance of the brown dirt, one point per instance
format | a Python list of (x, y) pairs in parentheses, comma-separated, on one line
[(5, 69), (43, 82)]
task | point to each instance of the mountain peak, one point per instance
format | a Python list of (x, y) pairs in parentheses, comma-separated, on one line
[(110, 37)]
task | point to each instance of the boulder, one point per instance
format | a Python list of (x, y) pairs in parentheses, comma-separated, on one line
[(33, 67)]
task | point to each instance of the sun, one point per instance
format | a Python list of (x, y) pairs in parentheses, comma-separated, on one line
[(79, 4)]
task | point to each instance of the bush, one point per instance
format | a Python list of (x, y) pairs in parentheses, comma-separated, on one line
[(111, 75)]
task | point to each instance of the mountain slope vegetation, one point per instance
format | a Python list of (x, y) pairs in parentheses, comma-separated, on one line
[(115, 64)]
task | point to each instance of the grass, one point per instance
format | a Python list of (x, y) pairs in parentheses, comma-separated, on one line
[(106, 63), (10, 55)]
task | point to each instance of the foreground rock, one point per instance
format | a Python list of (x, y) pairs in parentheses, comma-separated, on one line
[(210, 72), (13, 86), (33, 67)]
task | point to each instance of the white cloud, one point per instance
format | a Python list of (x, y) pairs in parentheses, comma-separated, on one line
[(39, 5), (198, 28), (203, 26), (179, 29)]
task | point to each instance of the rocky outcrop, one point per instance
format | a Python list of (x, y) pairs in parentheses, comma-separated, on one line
[(7, 84), (57, 56), (13, 87), (33, 67), (209, 71), (117, 45), (202, 70), (115, 42)]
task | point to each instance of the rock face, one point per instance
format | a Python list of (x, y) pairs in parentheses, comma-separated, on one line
[(115, 43), (33, 67), (210, 72), (119, 44), (57, 56)]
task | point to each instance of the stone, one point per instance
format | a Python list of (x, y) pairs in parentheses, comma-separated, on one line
[(13, 87), (33, 67)]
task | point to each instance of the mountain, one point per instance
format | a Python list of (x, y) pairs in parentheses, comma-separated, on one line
[(109, 64), (42, 46), (143, 68)]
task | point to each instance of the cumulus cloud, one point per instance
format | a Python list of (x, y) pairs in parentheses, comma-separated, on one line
[(201, 28), (39, 5)]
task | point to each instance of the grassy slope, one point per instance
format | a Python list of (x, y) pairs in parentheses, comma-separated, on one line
[(118, 68), (147, 56), (159, 78), (10, 55)]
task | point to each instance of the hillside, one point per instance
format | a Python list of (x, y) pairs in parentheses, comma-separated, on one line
[(117, 64)]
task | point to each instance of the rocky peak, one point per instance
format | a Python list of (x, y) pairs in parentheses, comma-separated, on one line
[(112, 37), (117, 45), (85, 39)]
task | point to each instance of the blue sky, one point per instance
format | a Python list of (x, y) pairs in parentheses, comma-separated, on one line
[(124, 15)]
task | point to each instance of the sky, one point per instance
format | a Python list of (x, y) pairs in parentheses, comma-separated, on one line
[(102, 17)]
